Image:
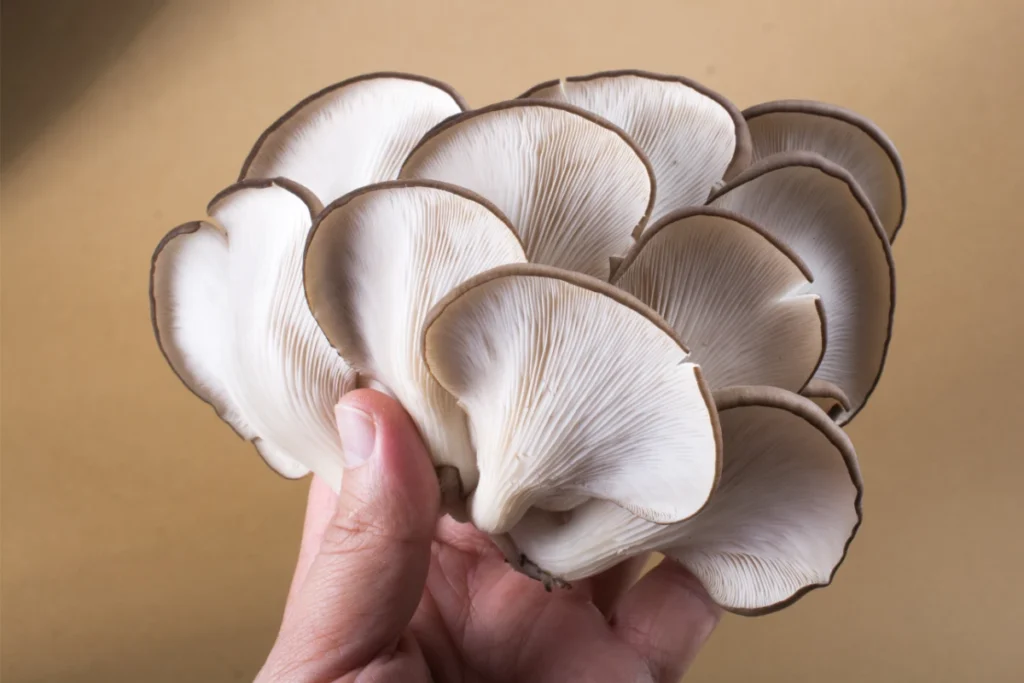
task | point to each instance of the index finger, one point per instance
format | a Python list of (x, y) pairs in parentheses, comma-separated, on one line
[(666, 618)]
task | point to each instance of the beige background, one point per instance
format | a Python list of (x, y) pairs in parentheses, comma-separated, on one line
[(143, 542)]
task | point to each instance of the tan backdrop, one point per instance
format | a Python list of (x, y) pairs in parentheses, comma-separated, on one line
[(143, 542)]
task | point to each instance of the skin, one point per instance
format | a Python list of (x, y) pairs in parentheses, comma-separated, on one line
[(386, 590)]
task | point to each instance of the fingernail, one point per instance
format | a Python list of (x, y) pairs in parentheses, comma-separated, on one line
[(358, 434)]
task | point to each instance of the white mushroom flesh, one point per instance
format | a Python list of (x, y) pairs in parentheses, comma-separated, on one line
[(737, 300), (572, 391), (377, 261), (689, 136), (815, 208), (840, 136), (778, 523), (232, 318), (352, 135), (576, 189)]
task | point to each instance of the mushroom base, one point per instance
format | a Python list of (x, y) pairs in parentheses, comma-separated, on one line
[(453, 503), (525, 566)]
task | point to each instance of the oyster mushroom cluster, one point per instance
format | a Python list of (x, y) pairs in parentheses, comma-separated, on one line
[(625, 316)]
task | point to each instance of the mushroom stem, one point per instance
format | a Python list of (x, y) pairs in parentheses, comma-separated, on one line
[(524, 565), (450, 484), (527, 567)]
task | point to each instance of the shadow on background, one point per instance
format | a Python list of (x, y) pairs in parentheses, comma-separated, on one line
[(50, 52)]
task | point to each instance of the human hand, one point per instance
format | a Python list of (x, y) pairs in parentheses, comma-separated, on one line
[(385, 591)]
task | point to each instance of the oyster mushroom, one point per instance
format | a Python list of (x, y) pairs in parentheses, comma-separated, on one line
[(573, 390), (575, 186), (694, 137), (818, 211), (553, 287), (844, 138), (778, 525), (377, 260), (231, 319), (738, 297), (352, 133)]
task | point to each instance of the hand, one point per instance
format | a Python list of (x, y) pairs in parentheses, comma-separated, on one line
[(384, 591)]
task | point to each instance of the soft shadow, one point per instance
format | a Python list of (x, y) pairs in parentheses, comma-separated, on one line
[(50, 52)]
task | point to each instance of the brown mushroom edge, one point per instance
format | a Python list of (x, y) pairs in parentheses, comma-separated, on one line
[(569, 108), (812, 160), (306, 101), (693, 211), (744, 146), (846, 116), (771, 397), (182, 230), (824, 389), (190, 228), (600, 287), (311, 201)]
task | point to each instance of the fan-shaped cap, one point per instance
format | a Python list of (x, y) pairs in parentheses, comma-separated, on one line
[(573, 390), (693, 136), (575, 187), (818, 211), (353, 133), (778, 525), (230, 316), (736, 296), (377, 260), (844, 138)]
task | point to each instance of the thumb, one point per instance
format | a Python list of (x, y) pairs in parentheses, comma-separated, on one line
[(367, 577)]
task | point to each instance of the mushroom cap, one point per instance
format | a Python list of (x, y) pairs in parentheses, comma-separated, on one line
[(377, 260), (779, 523), (230, 317), (736, 296), (818, 211), (573, 390), (352, 133), (844, 138), (694, 137), (575, 186)]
